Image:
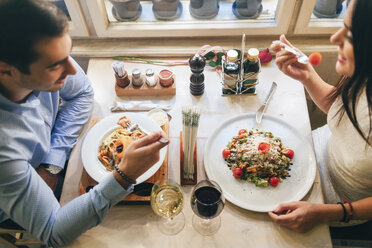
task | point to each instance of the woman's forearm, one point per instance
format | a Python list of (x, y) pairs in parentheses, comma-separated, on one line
[(319, 91), (362, 210)]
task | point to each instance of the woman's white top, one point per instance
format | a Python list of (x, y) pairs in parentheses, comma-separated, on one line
[(349, 157), (344, 158)]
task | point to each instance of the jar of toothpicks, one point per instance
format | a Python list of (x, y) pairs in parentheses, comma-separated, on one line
[(121, 75), (190, 121)]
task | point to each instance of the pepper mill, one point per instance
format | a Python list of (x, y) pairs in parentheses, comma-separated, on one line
[(197, 64)]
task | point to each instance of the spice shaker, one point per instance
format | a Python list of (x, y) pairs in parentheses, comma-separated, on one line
[(137, 80), (150, 78), (197, 64)]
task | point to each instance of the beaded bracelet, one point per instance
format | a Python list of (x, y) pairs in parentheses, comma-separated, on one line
[(345, 212), (351, 211), (125, 177)]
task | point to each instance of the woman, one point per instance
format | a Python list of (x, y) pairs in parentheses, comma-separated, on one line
[(345, 161)]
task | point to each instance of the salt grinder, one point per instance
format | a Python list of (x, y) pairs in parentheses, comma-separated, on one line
[(197, 64)]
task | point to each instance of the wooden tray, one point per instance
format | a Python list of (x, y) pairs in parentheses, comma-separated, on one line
[(195, 179), (146, 90), (142, 191)]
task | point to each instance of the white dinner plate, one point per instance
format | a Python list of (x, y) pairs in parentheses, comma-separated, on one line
[(104, 127), (245, 194)]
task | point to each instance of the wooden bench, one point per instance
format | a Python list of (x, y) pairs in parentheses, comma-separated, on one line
[(17, 238)]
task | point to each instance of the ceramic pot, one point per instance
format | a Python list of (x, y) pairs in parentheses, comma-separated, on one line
[(328, 8), (165, 78), (247, 8), (204, 9), (126, 10), (165, 8)]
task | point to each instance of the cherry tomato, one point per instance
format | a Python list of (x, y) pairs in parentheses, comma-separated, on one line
[(315, 58), (264, 147), (226, 152), (241, 131), (289, 153), (238, 173), (274, 181)]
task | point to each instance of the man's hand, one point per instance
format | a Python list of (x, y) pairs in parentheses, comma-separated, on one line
[(141, 155), (50, 179)]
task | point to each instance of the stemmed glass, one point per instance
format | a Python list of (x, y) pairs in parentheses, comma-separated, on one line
[(207, 202), (167, 202)]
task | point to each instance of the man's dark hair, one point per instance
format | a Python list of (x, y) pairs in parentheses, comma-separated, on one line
[(22, 24)]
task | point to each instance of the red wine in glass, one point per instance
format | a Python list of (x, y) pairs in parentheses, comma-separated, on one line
[(207, 202)]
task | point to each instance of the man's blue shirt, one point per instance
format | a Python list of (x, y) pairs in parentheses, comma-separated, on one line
[(43, 129)]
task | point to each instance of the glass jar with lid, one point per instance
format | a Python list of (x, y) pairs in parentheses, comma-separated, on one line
[(231, 72)]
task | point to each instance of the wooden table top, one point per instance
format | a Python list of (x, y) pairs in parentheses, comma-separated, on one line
[(135, 226)]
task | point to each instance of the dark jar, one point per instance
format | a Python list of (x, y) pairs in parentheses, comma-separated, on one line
[(251, 70)]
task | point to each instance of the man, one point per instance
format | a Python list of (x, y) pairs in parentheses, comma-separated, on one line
[(45, 98)]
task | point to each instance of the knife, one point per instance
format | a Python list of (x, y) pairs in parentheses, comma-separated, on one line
[(262, 109)]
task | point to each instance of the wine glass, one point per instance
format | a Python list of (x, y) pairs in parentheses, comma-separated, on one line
[(207, 202), (167, 202)]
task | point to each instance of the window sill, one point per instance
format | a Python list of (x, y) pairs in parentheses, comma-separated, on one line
[(176, 47)]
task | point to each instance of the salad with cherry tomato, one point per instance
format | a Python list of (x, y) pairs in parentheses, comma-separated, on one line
[(258, 157)]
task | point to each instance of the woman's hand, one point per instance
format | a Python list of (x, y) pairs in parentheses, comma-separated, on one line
[(141, 155), (287, 61), (299, 216)]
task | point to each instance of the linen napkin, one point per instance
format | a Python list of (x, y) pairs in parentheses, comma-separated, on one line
[(143, 105)]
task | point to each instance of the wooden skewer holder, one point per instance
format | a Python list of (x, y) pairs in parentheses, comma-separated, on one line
[(183, 180)]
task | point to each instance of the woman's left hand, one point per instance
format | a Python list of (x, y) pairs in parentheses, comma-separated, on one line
[(300, 216)]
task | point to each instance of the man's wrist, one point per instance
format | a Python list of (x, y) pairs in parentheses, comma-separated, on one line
[(125, 184), (52, 169)]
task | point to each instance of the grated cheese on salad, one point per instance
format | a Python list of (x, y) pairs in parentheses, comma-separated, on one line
[(258, 157)]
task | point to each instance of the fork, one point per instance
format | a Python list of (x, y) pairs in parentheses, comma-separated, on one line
[(302, 58), (132, 127)]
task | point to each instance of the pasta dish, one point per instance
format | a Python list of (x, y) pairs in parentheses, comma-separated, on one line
[(258, 157), (112, 148)]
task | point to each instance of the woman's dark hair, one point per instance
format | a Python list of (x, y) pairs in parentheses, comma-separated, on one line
[(350, 88), (22, 24)]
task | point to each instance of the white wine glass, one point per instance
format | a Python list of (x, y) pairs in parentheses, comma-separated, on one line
[(207, 202), (167, 202)]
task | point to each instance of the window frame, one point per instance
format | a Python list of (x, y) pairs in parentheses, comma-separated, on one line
[(306, 25), (77, 26), (104, 28)]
